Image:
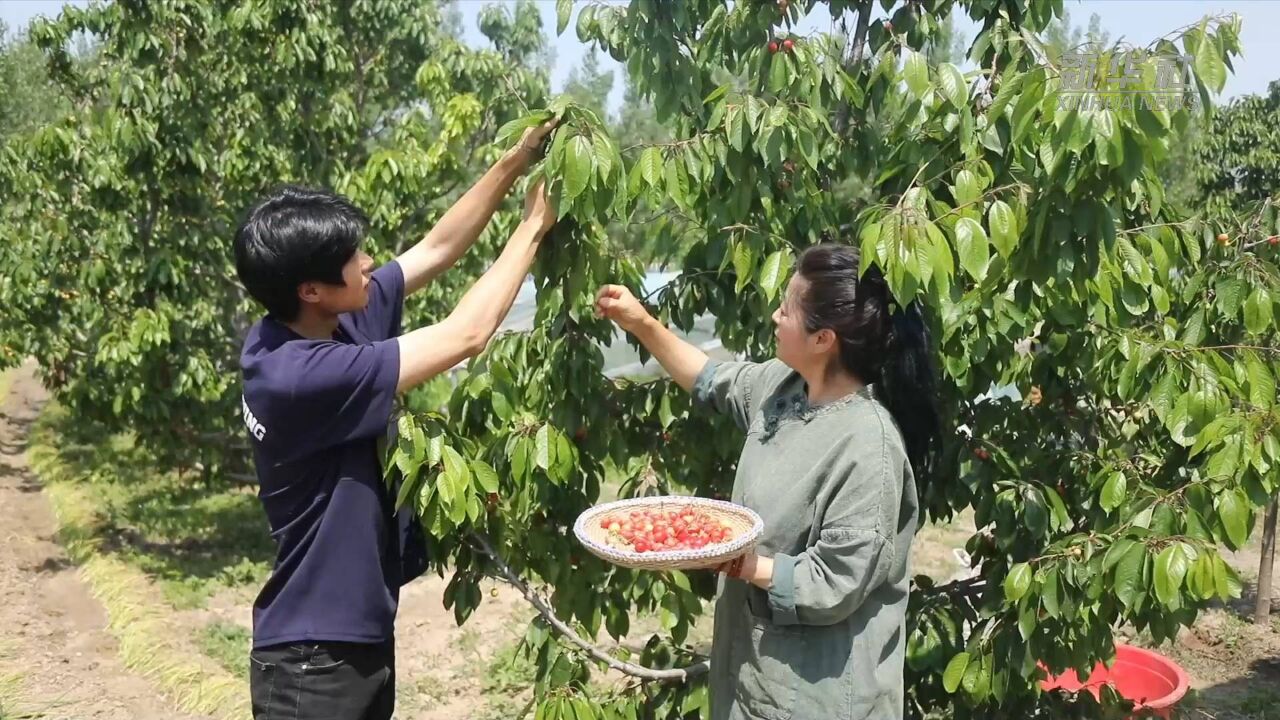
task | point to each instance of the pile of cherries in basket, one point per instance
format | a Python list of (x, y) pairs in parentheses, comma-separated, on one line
[(664, 529)]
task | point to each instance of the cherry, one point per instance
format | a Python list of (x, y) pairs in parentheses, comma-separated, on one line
[(788, 45), (773, 47), (888, 26), (1224, 239), (1274, 240), (789, 166), (784, 184), (982, 454)]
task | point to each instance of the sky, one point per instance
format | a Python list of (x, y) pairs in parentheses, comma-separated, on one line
[(1134, 21)]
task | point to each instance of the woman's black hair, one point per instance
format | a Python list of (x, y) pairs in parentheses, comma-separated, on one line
[(882, 343), (292, 236)]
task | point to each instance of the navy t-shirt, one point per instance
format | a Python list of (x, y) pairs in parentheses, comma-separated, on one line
[(315, 410)]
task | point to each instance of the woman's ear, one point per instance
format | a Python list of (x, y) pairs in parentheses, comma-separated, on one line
[(824, 340)]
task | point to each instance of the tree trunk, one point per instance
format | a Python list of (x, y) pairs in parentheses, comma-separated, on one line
[(1262, 608)]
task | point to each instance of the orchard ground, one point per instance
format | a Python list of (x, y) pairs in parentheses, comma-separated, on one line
[(205, 551)]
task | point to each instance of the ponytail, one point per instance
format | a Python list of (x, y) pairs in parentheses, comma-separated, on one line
[(908, 388), (881, 343)]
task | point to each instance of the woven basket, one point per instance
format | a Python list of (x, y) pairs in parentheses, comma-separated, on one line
[(744, 522)]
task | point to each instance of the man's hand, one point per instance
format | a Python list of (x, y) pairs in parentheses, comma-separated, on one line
[(537, 208), (462, 224), (530, 145)]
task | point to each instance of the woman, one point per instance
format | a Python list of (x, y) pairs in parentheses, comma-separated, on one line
[(812, 626)]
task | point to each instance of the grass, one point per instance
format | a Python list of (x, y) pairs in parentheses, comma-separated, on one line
[(13, 703), (115, 524), (508, 679), (228, 645), (192, 540)]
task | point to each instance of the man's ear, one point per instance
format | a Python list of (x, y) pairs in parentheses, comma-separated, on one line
[(309, 292)]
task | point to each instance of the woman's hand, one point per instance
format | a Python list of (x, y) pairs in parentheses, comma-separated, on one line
[(753, 568), (619, 305), (537, 208)]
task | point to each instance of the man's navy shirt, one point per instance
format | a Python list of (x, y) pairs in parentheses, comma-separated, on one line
[(316, 409)]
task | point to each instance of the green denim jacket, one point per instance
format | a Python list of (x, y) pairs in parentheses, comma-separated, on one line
[(836, 493)]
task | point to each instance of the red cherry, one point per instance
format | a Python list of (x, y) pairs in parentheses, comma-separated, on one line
[(788, 45), (982, 454), (1274, 240), (773, 47), (888, 26)]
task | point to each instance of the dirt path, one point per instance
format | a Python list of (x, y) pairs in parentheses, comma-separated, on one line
[(55, 637)]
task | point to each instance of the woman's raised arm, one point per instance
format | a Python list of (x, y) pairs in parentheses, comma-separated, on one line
[(682, 360)]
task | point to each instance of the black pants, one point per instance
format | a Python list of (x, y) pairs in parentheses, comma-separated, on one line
[(323, 681)]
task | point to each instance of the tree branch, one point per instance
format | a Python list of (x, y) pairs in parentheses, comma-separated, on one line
[(639, 671)]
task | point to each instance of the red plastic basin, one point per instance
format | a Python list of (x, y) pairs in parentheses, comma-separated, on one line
[(1152, 681)]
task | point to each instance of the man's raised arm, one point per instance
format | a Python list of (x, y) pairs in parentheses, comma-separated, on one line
[(462, 224)]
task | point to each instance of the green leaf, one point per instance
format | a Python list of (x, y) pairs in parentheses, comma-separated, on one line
[(508, 131), (1258, 311), (407, 486), (1200, 579), (665, 415), (739, 130), (1262, 386), (1135, 266), (602, 153), (967, 189), (586, 16), (650, 163), (542, 447), (1229, 292), (1049, 593), (579, 164), (519, 457), (916, 73), (1017, 582), (1128, 577), (1233, 508), (954, 673), (808, 147), (1170, 568), (773, 272), (1113, 491), (1209, 65), (1004, 231), (778, 76), (678, 183), (564, 10), (952, 85), (501, 406), (485, 475), (744, 259), (971, 243)]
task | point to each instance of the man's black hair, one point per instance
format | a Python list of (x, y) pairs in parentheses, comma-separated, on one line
[(296, 235)]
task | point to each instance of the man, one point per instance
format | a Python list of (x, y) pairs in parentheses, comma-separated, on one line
[(320, 372)]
